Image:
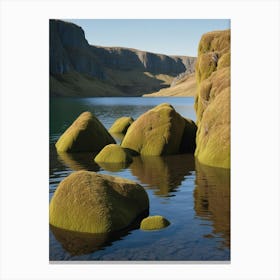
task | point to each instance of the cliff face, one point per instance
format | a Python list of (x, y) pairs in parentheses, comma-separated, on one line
[(213, 99), (127, 59), (70, 51), (106, 71)]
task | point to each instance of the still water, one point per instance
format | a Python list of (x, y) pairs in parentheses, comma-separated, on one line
[(193, 197)]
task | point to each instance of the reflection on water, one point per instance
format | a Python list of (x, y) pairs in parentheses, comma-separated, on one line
[(162, 173), (80, 243), (113, 167), (212, 198), (79, 161)]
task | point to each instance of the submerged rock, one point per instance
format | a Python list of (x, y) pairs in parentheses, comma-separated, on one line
[(113, 153), (157, 132), (154, 223), (95, 203), (86, 134), (212, 103), (121, 125)]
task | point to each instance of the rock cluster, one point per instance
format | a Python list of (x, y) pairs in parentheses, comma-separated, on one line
[(94, 203)]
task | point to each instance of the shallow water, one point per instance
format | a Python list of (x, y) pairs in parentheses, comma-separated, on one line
[(193, 197)]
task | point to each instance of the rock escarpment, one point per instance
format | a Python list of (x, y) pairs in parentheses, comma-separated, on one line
[(95, 203), (212, 102), (79, 69)]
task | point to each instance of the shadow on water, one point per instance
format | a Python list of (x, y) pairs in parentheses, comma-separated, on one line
[(79, 243), (78, 161), (212, 198), (162, 173)]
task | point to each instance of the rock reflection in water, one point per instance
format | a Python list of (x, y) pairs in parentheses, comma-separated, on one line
[(113, 167), (79, 243), (162, 173), (79, 161), (212, 198)]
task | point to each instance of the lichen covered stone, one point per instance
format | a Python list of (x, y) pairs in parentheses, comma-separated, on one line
[(86, 134), (154, 223), (95, 203), (121, 125), (157, 132), (113, 153), (212, 102)]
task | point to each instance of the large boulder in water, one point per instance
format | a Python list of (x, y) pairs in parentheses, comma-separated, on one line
[(157, 132), (86, 134), (121, 125), (90, 202)]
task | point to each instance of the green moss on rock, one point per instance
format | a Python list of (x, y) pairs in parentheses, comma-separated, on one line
[(157, 132), (154, 223), (121, 125), (86, 134), (113, 153), (90, 202), (212, 102)]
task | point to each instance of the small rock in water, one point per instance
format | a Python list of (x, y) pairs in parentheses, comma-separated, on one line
[(154, 223)]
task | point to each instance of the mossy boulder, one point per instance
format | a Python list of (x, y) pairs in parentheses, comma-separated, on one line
[(113, 158), (157, 132), (94, 203), (86, 134), (212, 102), (121, 125), (154, 223), (113, 153)]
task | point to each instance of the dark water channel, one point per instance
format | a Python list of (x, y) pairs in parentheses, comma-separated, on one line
[(193, 197)]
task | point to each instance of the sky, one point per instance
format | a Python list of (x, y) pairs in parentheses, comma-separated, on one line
[(165, 36)]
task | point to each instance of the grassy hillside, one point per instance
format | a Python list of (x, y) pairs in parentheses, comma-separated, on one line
[(185, 87), (117, 83)]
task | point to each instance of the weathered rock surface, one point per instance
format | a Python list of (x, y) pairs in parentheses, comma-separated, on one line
[(86, 134), (121, 125), (154, 223), (79, 69), (113, 153), (157, 132), (90, 202), (213, 99)]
